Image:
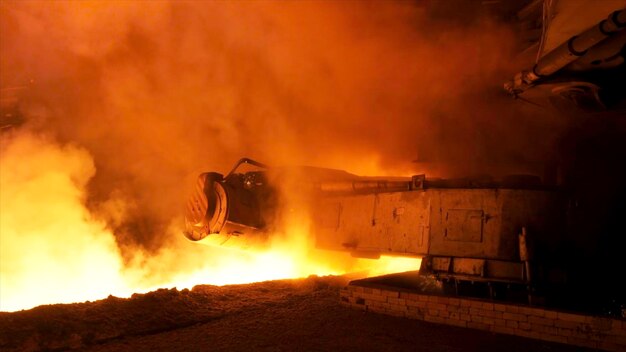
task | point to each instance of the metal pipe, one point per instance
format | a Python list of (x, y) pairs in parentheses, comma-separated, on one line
[(568, 52), (364, 186), (245, 161)]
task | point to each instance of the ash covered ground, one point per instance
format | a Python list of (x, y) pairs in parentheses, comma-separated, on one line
[(286, 315)]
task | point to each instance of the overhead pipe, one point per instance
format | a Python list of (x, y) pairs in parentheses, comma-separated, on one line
[(568, 52)]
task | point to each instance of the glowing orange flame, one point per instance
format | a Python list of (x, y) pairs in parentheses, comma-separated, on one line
[(54, 251)]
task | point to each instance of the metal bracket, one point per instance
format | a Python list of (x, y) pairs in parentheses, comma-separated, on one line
[(245, 161), (418, 181)]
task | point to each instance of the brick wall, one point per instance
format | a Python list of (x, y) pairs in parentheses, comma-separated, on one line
[(536, 323)]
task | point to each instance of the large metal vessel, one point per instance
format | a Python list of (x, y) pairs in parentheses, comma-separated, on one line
[(564, 244), (478, 230)]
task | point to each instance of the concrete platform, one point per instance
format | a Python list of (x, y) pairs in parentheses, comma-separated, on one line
[(408, 295)]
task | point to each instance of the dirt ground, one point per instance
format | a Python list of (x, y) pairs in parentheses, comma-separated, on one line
[(286, 315)]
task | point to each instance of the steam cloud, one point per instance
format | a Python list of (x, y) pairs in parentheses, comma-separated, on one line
[(42, 193), (157, 92)]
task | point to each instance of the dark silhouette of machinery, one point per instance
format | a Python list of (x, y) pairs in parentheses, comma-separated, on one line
[(517, 236), (508, 234)]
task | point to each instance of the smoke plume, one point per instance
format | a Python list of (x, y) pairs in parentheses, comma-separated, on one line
[(153, 93)]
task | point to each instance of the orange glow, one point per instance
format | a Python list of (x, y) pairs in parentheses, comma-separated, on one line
[(138, 98), (54, 251)]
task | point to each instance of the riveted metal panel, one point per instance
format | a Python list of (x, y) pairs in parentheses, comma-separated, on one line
[(391, 223), (465, 225), (353, 228), (468, 266), (329, 216), (405, 218)]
